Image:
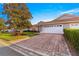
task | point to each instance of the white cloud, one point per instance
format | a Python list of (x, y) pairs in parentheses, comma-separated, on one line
[(46, 20), (71, 11)]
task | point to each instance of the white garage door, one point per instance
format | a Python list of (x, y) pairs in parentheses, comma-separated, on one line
[(52, 30)]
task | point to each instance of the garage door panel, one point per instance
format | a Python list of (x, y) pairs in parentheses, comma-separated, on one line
[(52, 30)]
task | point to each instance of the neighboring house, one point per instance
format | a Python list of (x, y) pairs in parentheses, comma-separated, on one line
[(57, 25), (34, 28)]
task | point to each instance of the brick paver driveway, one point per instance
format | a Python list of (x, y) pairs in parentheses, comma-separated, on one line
[(50, 44)]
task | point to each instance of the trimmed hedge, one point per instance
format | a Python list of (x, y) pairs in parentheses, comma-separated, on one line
[(72, 35)]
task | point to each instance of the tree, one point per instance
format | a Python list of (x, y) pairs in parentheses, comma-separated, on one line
[(2, 24), (18, 15)]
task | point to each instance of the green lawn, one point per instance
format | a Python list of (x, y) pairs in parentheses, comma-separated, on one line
[(9, 37), (30, 33)]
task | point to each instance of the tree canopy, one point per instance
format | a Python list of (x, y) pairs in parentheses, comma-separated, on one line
[(2, 24), (18, 15)]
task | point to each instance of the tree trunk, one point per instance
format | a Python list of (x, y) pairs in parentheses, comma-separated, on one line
[(16, 33), (21, 31)]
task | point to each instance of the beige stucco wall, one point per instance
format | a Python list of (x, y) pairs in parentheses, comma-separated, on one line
[(74, 25), (66, 26)]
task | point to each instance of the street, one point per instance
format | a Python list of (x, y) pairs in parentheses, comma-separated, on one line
[(6, 51)]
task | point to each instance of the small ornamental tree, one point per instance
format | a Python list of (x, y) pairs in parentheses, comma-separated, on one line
[(18, 15)]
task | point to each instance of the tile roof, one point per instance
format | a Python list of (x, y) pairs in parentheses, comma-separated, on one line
[(66, 18)]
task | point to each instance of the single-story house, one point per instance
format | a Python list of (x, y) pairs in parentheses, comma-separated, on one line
[(34, 28), (57, 25)]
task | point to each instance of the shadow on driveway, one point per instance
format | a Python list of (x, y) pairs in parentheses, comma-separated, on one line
[(6, 51)]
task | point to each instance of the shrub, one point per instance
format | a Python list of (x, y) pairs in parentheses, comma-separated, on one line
[(72, 35)]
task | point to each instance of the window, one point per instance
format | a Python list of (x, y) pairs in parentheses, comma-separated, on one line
[(57, 25), (60, 25)]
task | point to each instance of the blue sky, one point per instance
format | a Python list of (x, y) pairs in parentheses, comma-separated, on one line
[(48, 11)]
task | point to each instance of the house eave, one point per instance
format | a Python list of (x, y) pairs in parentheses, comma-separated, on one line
[(54, 23)]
